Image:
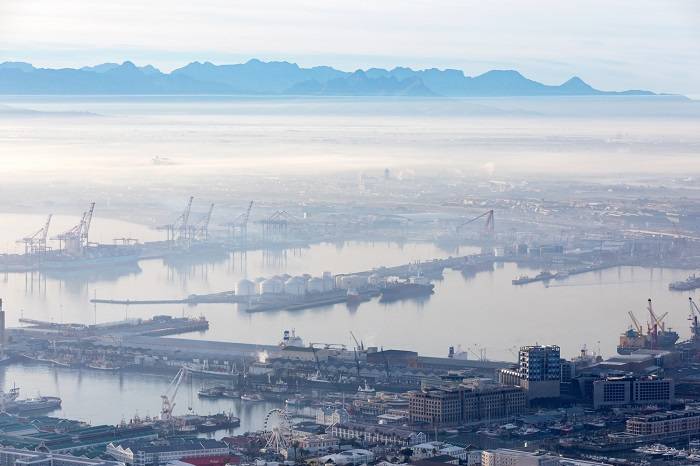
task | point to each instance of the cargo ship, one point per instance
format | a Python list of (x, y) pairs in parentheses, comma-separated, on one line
[(657, 336), (408, 289), (690, 283)]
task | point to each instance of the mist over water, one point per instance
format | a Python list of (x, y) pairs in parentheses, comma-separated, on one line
[(103, 141)]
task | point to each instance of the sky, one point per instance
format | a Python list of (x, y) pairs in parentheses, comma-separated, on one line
[(613, 45)]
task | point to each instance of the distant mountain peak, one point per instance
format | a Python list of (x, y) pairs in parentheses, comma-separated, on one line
[(279, 78)]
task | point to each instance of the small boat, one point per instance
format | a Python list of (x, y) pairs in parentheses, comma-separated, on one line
[(251, 397), (211, 392)]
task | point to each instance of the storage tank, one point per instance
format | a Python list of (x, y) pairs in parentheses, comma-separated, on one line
[(271, 286), (315, 285), (295, 286), (328, 281), (245, 288)]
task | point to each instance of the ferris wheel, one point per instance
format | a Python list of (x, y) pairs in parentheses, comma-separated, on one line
[(277, 430)]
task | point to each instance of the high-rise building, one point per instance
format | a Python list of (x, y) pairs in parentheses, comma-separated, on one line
[(538, 371)]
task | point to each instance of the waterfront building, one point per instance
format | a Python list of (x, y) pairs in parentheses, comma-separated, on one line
[(627, 391), (439, 406), (377, 434), (329, 416), (666, 425), (20, 457), (507, 457), (472, 401), (538, 372), (142, 453), (356, 456)]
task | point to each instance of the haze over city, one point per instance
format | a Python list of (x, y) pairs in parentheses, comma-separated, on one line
[(349, 233)]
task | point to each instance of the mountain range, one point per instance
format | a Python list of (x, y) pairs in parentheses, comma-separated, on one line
[(256, 77)]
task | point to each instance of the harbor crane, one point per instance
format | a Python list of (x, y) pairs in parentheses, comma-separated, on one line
[(179, 230), (693, 318), (76, 240), (36, 243), (168, 398), (637, 326), (240, 223), (489, 227), (360, 345), (200, 230)]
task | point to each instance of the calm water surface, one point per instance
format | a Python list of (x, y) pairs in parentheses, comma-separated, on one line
[(479, 312)]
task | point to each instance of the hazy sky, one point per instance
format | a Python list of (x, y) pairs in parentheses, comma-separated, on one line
[(611, 44)]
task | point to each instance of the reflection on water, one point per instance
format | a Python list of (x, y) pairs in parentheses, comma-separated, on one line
[(477, 311), (83, 390)]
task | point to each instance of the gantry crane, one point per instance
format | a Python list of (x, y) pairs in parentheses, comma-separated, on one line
[(76, 240), (36, 243), (200, 231), (179, 230)]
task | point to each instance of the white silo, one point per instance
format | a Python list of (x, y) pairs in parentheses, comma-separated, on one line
[(295, 286), (328, 281), (245, 287), (315, 285), (271, 286)]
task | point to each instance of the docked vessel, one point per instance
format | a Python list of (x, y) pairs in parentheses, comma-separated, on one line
[(657, 336), (540, 277), (690, 283), (408, 289), (103, 365), (10, 403)]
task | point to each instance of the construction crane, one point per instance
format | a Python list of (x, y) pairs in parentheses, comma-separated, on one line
[(75, 240), (358, 344), (168, 398), (179, 230), (489, 227), (36, 243)]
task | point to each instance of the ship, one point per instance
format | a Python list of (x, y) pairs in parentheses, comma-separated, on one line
[(540, 277), (690, 283), (211, 392), (412, 288), (103, 365), (657, 336), (10, 403)]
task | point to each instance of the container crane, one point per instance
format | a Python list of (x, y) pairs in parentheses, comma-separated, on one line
[(200, 230), (241, 223), (179, 230), (75, 240), (168, 398), (36, 243)]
